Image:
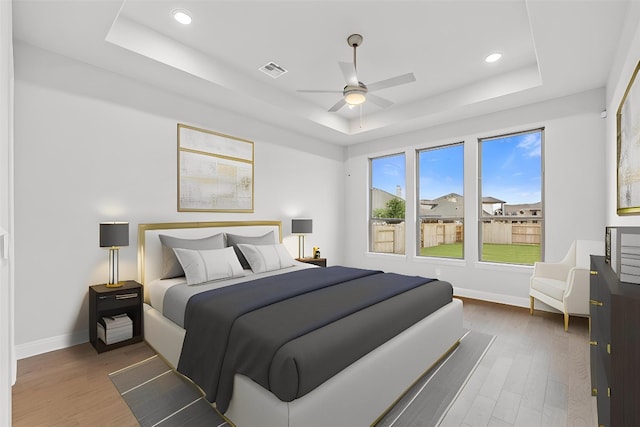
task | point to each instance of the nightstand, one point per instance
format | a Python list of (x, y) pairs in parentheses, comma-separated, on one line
[(322, 262), (104, 302)]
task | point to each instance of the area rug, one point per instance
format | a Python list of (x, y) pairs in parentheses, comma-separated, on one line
[(428, 400), (158, 396)]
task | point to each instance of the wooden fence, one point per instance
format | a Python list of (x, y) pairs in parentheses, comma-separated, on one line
[(390, 238), (509, 233), (434, 234)]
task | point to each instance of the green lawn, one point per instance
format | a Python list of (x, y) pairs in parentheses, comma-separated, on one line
[(491, 252)]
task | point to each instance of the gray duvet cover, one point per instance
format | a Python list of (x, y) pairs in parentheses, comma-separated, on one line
[(291, 332)]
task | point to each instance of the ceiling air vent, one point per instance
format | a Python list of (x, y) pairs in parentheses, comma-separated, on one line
[(273, 70)]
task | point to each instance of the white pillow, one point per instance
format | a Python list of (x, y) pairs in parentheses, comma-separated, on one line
[(202, 266), (263, 258)]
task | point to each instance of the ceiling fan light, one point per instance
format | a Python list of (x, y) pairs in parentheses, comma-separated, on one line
[(355, 96)]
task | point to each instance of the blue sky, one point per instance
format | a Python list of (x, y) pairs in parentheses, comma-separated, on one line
[(389, 172), (441, 171), (511, 170)]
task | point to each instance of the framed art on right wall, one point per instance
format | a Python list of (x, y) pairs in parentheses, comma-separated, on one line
[(628, 141)]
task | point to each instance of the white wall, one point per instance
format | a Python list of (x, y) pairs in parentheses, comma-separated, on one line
[(92, 146), (574, 183)]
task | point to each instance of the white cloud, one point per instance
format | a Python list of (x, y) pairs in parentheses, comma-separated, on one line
[(530, 143)]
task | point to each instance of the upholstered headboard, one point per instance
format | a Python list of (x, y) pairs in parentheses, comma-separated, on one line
[(150, 248)]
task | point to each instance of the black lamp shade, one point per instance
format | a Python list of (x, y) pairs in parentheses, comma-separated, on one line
[(301, 225), (114, 234)]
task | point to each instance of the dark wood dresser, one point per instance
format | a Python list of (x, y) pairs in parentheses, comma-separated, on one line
[(615, 346)]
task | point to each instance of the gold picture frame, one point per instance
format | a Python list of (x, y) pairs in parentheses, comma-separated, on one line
[(215, 171), (628, 149)]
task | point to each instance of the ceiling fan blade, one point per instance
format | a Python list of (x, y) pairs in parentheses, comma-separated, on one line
[(379, 101), (318, 91), (338, 105), (349, 73), (393, 81)]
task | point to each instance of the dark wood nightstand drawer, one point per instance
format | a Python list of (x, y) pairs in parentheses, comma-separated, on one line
[(108, 302)]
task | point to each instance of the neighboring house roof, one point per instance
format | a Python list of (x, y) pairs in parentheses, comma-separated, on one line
[(491, 200), (523, 209), (452, 205), (447, 206)]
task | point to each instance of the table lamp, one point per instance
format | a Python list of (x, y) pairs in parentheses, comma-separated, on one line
[(113, 235), (301, 226)]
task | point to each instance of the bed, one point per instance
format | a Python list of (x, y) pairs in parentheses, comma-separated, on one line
[(355, 395)]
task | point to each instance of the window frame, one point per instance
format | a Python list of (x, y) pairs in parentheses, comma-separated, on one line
[(418, 222), (371, 218), (485, 218)]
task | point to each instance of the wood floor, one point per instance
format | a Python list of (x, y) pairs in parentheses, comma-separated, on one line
[(534, 374), (70, 387)]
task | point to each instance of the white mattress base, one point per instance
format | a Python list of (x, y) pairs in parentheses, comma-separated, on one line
[(356, 396), (164, 336)]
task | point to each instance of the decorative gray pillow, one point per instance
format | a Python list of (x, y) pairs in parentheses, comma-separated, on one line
[(234, 240), (170, 265)]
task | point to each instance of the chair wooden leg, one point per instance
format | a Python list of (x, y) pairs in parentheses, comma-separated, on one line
[(566, 322), (530, 305)]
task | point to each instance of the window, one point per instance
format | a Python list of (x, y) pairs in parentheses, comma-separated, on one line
[(387, 204), (441, 201), (511, 206)]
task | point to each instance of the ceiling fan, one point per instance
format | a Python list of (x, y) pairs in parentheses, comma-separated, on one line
[(356, 92)]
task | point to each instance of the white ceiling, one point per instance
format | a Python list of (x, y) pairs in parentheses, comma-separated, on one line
[(551, 48)]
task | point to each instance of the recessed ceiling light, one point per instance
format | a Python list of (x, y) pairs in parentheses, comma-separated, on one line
[(493, 57), (182, 16)]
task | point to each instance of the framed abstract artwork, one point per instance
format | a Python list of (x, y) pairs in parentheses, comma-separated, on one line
[(628, 139), (215, 171)]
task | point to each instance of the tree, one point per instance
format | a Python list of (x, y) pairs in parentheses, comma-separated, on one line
[(395, 208)]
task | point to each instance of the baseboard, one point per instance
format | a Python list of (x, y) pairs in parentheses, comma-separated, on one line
[(46, 345), (491, 297), (62, 341), (502, 299)]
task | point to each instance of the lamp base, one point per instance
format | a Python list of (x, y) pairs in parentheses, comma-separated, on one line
[(114, 285), (114, 281), (301, 246)]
